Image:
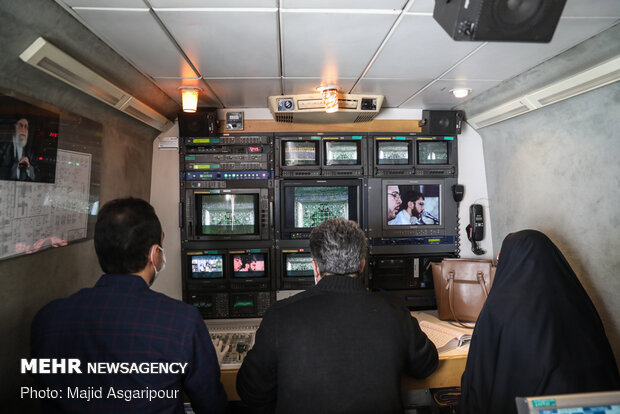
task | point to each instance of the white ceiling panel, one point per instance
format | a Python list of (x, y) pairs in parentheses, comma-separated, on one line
[(422, 6), (438, 95), (137, 37), (171, 87), (104, 3), (419, 49), (227, 43), (343, 4), (213, 3), (395, 91), (501, 60), (309, 85), (335, 45), (245, 93), (592, 8)]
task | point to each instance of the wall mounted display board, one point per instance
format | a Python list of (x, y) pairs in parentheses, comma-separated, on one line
[(49, 176)]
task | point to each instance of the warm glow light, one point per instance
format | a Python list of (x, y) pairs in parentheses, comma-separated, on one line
[(330, 99), (189, 97), (460, 92)]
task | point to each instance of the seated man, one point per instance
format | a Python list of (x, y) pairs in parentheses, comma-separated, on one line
[(335, 347), (120, 320)]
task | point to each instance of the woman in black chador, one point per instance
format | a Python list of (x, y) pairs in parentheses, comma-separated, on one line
[(538, 332)]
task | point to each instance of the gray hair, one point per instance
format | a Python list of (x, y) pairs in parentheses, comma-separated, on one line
[(338, 246)]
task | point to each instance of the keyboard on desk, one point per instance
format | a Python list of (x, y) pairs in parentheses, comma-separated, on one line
[(238, 334)]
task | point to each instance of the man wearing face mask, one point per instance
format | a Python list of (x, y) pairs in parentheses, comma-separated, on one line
[(120, 320), (334, 348)]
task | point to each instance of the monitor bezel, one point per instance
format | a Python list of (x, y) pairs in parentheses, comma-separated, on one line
[(380, 170), (283, 231), (357, 169), (192, 224), (430, 170), (292, 282), (387, 229), (279, 156)]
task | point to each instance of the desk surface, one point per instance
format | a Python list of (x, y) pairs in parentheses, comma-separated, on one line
[(448, 373)]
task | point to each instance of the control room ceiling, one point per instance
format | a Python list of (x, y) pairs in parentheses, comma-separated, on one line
[(242, 51)]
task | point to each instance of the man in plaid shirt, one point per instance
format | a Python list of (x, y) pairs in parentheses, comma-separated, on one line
[(121, 322)]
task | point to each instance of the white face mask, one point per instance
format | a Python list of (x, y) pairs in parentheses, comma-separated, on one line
[(163, 266)]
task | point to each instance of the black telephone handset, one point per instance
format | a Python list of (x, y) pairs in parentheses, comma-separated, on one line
[(476, 221), (475, 229)]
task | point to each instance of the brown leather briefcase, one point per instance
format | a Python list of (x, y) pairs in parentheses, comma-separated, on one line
[(461, 287)]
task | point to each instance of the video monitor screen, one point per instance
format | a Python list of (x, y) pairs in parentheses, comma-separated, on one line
[(342, 153), (307, 207), (227, 214), (249, 265), (208, 266), (432, 152), (393, 153), (243, 304), (300, 153), (410, 205), (298, 265)]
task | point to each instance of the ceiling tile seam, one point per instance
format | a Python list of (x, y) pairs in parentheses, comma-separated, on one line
[(342, 11), (279, 47), (383, 43), (217, 9), (125, 9), (444, 73), (180, 50)]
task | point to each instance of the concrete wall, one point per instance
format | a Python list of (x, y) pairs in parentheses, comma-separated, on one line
[(556, 170), (29, 282)]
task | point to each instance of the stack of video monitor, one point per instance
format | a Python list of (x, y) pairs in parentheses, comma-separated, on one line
[(411, 215), (249, 204), (318, 177), (227, 228)]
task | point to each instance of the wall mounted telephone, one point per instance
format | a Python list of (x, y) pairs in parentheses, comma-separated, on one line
[(475, 229)]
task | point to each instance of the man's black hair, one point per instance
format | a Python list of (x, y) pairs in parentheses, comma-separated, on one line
[(126, 228)]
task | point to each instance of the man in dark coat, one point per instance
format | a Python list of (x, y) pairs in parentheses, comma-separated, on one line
[(335, 348)]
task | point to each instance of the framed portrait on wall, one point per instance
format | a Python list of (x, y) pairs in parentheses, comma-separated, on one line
[(28, 141)]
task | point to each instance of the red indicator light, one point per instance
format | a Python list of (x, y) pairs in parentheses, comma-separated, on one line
[(40, 158), (254, 149)]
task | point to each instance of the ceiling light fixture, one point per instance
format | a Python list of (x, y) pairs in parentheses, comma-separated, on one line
[(330, 97), (460, 92), (189, 98)]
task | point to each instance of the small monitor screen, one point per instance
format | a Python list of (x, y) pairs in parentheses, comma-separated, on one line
[(243, 304), (393, 153), (300, 153), (227, 214), (314, 205), (207, 266), (342, 153), (249, 265), (409, 205), (432, 152), (298, 265)]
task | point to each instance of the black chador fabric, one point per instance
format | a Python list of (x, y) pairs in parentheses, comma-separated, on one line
[(538, 332)]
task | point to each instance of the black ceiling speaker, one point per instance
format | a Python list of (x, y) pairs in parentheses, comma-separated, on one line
[(202, 123), (499, 20), (441, 122)]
